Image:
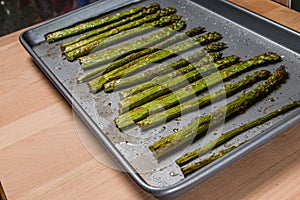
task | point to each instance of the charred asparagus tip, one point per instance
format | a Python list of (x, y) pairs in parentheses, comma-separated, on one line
[(226, 136), (201, 125)]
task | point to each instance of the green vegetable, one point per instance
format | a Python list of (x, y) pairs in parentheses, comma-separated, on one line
[(97, 84), (195, 104), (180, 64), (197, 165), (93, 60), (101, 21), (199, 126), (172, 81), (97, 40), (96, 59), (179, 96), (210, 48), (118, 32), (188, 157), (75, 43)]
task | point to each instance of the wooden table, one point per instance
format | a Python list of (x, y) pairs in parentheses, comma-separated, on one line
[(43, 157)]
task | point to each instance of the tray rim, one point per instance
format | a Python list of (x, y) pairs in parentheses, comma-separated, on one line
[(196, 178)]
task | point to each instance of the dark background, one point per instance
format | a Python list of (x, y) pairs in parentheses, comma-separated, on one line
[(18, 14), (295, 4)]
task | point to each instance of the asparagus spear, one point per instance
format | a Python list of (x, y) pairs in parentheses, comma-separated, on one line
[(216, 77), (97, 84), (128, 81), (112, 53), (188, 157), (197, 165), (116, 28), (70, 45), (166, 84), (194, 104), (107, 68), (101, 21), (205, 68), (199, 126), (172, 99), (129, 33), (210, 48), (95, 41)]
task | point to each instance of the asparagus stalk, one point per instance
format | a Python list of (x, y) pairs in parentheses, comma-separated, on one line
[(181, 64), (112, 53), (103, 42), (107, 68), (197, 165), (205, 68), (97, 84), (194, 104), (75, 43), (165, 84), (163, 33), (210, 48), (179, 96), (91, 43), (101, 21), (199, 126), (188, 157), (126, 27)]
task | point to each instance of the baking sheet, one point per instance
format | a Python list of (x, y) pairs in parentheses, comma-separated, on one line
[(246, 35)]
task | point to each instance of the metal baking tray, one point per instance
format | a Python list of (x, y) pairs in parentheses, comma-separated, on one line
[(247, 34)]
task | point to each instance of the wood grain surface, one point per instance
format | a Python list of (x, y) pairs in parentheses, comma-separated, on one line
[(43, 154)]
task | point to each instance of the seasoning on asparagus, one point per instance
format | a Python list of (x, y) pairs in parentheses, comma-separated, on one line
[(210, 48), (199, 126), (180, 64), (75, 43), (203, 67), (115, 52), (166, 84), (101, 21), (188, 157), (112, 52), (148, 27), (179, 96), (187, 170), (87, 48), (97, 84), (97, 40), (195, 104)]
